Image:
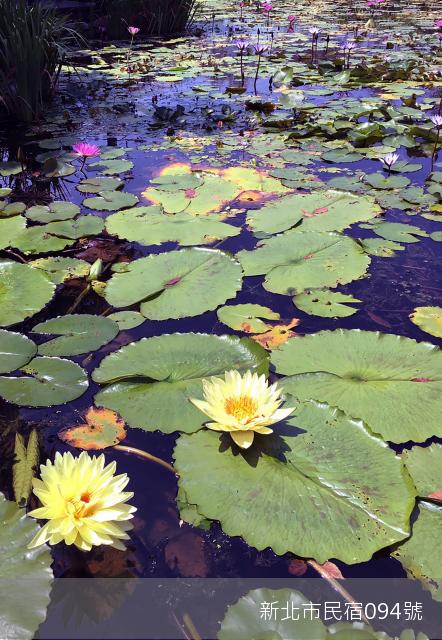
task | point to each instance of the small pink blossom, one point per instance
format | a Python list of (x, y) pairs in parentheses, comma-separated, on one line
[(133, 30), (267, 7), (291, 18), (86, 150), (438, 24)]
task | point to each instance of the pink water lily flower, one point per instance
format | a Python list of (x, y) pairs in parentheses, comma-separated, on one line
[(86, 150), (438, 23), (133, 30), (437, 121)]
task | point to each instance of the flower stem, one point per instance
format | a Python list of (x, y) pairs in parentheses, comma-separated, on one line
[(319, 568), (147, 456), (436, 144)]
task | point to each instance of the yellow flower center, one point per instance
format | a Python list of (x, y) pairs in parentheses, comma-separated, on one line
[(241, 407), (79, 507)]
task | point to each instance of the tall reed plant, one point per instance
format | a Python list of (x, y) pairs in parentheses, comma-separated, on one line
[(154, 17), (34, 42)]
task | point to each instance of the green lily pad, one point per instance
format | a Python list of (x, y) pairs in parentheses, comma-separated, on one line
[(60, 269), (242, 620), (111, 201), (100, 183), (80, 227), (284, 492), (10, 168), (381, 248), (10, 228), (296, 261), (381, 181), (319, 211), (347, 183), (38, 239), (177, 182), (150, 226), (379, 378), (57, 168), (425, 467), (127, 319), (59, 210), (24, 291), (177, 284), (325, 303), (15, 351), (429, 319), (47, 382), (247, 317), (78, 334), (342, 155), (25, 575), (418, 556), (399, 232), (112, 167), (151, 381), (12, 209)]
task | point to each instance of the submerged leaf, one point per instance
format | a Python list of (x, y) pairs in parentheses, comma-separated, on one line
[(25, 465)]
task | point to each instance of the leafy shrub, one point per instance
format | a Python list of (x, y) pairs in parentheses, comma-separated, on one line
[(34, 41)]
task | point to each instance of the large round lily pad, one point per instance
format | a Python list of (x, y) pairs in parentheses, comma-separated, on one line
[(23, 292), (291, 620), (15, 350), (319, 211), (25, 575), (78, 334), (296, 261), (177, 284), (46, 382), (150, 226), (290, 487), (420, 555), (151, 381), (381, 378), (244, 622)]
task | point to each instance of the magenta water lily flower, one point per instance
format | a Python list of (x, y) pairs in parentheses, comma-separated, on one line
[(86, 150), (438, 24), (133, 30)]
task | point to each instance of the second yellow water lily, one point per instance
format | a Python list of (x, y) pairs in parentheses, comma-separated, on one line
[(242, 405)]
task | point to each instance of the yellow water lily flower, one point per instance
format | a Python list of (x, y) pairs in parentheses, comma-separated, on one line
[(242, 405), (83, 501)]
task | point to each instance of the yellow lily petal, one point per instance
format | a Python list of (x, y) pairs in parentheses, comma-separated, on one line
[(243, 439)]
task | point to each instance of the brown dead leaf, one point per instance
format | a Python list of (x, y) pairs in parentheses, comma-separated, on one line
[(279, 334), (103, 428), (187, 555), (297, 567)]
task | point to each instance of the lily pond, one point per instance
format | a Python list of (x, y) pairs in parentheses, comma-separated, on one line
[(220, 280)]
